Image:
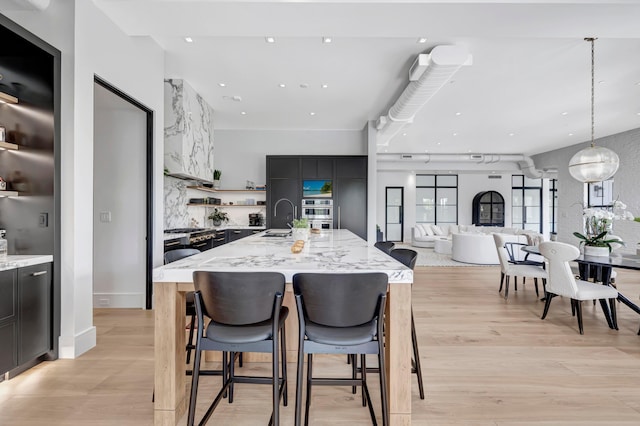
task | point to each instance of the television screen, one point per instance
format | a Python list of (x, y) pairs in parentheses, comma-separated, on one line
[(317, 188)]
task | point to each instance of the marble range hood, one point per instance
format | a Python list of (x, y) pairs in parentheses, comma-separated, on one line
[(188, 133)]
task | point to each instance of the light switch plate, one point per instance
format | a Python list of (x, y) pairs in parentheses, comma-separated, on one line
[(43, 220), (105, 217)]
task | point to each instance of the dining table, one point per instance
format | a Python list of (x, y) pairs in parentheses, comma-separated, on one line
[(330, 251), (600, 267)]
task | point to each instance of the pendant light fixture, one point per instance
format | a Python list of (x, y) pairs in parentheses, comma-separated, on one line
[(595, 163)]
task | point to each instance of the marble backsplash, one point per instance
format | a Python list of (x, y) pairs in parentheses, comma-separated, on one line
[(176, 214)]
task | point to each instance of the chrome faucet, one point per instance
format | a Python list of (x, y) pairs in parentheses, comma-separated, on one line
[(293, 207)]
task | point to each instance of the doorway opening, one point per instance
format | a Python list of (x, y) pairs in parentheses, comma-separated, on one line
[(123, 199), (394, 217)]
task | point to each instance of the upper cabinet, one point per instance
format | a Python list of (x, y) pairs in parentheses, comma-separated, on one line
[(317, 168), (188, 133)]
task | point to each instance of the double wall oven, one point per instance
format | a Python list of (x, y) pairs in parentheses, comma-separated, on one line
[(319, 212)]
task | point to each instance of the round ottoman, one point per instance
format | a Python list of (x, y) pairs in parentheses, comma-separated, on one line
[(442, 245)]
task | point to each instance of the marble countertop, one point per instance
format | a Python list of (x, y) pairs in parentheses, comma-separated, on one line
[(20, 261), (331, 251)]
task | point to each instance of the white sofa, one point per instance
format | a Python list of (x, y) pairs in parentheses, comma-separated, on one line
[(478, 248), (425, 235)]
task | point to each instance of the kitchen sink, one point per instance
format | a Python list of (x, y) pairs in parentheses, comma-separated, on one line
[(277, 234)]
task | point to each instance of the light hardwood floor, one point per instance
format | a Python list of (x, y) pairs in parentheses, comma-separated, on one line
[(486, 361)]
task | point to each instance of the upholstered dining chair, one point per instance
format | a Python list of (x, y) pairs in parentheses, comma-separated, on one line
[(330, 323), (508, 269), (562, 282), (246, 315)]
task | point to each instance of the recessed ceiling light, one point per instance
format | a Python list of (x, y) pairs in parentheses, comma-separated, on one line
[(493, 172), (438, 143), (269, 39), (282, 85), (455, 134), (222, 84), (324, 86), (469, 151), (426, 150), (458, 113), (386, 150), (637, 113), (243, 113), (327, 40), (638, 83), (422, 40), (404, 134), (601, 82), (188, 39), (312, 113), (511, 134), (565, 113), (570, 134)]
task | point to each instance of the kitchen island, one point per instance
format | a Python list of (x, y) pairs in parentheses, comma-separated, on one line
[(332, 251)]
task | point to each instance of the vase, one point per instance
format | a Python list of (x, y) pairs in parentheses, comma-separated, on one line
[(216, 184), (300, 234), (217, 222), (596, 251)]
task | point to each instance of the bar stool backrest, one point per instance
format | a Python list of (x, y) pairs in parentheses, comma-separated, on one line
[(385, 246), (340, 300), (407, 257), (177, 254), (238, 298)]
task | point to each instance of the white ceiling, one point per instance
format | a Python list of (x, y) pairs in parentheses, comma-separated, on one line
[(530, 65)]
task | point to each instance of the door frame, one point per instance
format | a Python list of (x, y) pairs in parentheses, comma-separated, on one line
[(149, 198), (386, 200)]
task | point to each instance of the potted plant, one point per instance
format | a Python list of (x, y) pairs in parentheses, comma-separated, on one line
[(300, 230), (597, 245), (218, 216), (216, 178)]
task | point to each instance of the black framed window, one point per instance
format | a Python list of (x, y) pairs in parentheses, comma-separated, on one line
[(437, 199), (526, 203)]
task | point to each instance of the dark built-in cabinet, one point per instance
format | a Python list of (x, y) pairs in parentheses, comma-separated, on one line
[(25, 315), (348, 174)]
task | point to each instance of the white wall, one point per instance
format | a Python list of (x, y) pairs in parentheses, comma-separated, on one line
[(241, 154), (120, 157), (571, 192), (92, 45)]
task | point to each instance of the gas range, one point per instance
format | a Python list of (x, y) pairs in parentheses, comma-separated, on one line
[(194, 235)]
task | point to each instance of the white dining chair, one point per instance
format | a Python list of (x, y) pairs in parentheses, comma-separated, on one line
[(562, 282)]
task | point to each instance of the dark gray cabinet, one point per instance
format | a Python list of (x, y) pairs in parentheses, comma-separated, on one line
[(350, 195), (25, 315), (317, 168), (8, 320), (236, 234), (34, 295), (283, 183), (349, 178)]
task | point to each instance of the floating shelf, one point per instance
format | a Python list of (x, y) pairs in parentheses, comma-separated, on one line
[(8, 193), (204, 188), (8, 145)]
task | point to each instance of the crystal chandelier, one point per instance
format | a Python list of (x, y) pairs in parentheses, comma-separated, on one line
[(595, 163)]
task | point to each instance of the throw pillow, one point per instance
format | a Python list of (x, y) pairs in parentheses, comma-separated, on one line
[(420, 231), (427, 230), (437, 230)]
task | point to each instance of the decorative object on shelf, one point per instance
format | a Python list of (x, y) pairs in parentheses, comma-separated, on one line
[(216, 178), (595, 163), (251, 185), (3, 184), (218, 216), (300, 230)]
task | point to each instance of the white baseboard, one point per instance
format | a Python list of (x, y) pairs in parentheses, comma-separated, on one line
[(118, 300), (71, 347)]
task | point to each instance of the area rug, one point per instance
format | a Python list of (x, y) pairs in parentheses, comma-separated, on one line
[(428, 257)]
